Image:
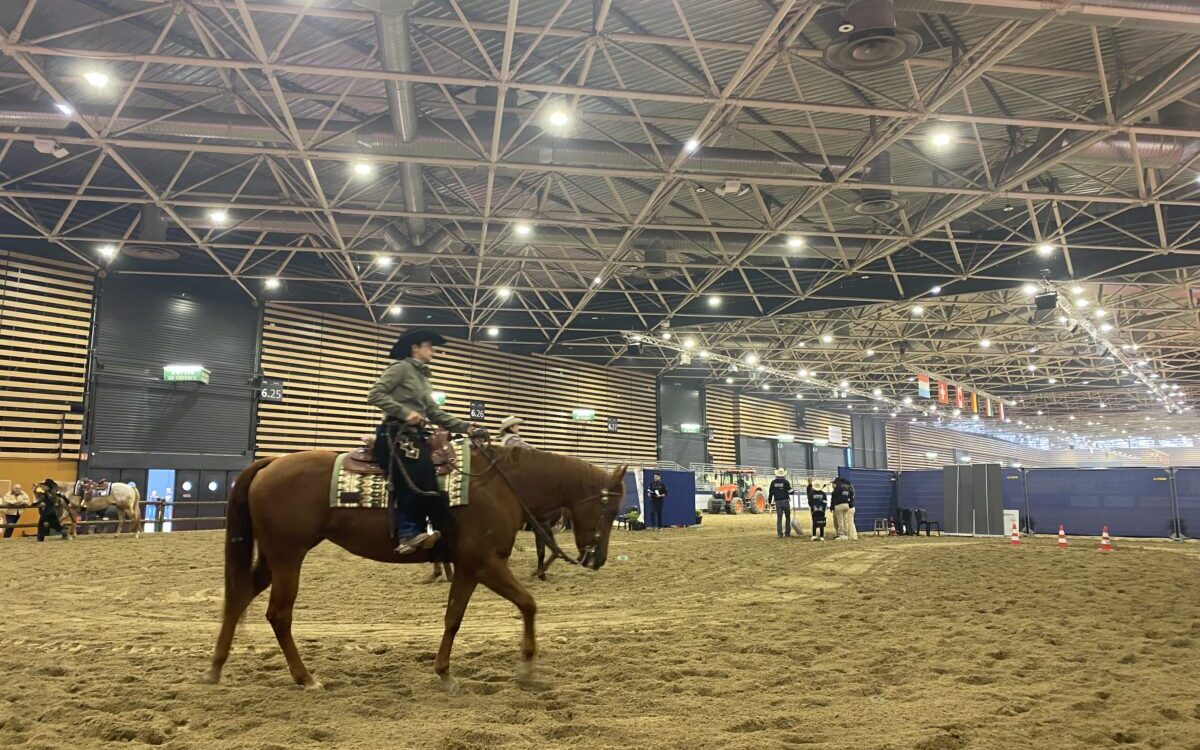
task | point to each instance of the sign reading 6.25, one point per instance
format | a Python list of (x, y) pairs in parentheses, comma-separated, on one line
[(270, 389)]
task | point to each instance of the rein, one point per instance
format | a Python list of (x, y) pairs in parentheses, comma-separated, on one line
[(538, 530)]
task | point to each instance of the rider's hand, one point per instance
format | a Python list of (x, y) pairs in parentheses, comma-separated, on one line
[(480, 433), (413, 418)]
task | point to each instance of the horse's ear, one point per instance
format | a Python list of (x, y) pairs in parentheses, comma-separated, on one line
[(618, 474)]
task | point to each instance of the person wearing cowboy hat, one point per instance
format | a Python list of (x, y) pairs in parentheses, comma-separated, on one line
[(510, 433), (403, 393), (48, 498), (780, 493)]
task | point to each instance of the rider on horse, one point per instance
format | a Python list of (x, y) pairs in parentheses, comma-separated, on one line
[(405, 396)]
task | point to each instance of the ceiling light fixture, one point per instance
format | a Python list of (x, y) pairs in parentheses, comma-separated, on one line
[(691, 145), (523, 229), (728, 381), (714, 301), (918, 310), (107, 251), (66, 109), (826, 338), (935, 290), (941, 138), (218, 216), (383, 261), (395, 310), (984, 343), (795, 242), (1044, 248), (558, 118), (96, 78), (272, 282), (503, 292), (363, 169), (493, 331), (1029, 289)]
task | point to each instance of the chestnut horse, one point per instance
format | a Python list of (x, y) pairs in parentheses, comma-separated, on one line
[(282, 506)]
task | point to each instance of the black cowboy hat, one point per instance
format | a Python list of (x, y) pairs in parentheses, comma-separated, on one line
[(402, 349)]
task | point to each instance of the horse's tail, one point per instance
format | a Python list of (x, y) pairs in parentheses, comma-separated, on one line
[(239, 535)]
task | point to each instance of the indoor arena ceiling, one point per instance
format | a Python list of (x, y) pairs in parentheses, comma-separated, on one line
[(868, 188)]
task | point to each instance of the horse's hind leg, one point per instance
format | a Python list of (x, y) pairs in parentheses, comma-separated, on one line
[(285, 584), (234, 610), (499, 578)]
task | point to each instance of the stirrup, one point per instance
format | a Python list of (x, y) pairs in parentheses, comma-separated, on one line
[(420, 541)]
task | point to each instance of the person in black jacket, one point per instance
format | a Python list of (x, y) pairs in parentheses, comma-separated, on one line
[(817, 503), (780, 493), (657, 493), (843, 505), (49, 508)]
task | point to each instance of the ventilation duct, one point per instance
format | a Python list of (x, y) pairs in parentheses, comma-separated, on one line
[(872, 39), (152, 233), (697, 247), (420, 280), (1164, 15), (654, 255), (878, 201), (395, 56)]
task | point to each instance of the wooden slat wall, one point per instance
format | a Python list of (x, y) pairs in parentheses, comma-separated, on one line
[(817, 424), (45, 325), (719, 415), (760, 417), (908, 444), (328, 363)]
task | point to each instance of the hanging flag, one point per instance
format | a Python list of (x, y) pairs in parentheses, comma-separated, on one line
[(943, 393), (1001, 410), (974, 404), (960, 397), (923, 386), (989, 407)]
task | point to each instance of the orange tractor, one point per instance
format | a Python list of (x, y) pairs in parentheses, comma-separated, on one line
[(737, 492)]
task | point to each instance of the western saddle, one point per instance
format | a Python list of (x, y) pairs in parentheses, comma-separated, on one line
[(361, 460)]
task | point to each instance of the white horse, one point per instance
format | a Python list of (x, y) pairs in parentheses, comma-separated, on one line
[(124, 497)]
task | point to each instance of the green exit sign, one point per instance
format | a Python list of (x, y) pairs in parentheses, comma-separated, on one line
[(186, 374), (583, 415)]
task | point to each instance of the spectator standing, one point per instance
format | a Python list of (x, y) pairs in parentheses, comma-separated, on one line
[(657, 493), (780, 493), (843, 503), (818, 501), (17, 500)]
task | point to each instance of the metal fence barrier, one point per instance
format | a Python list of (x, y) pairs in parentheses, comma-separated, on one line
[(178, 521)]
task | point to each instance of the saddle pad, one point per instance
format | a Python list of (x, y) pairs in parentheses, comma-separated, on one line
[(349, 490)]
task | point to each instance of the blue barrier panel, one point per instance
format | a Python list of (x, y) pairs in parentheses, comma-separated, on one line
[(679, 509), (1012, 487), (1187, 492), (874, 495), (923, 489), (1130, 502)]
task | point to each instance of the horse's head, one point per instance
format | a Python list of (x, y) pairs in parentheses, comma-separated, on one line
[(592, 520)]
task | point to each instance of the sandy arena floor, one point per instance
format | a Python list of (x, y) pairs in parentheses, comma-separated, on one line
[(715, 637)]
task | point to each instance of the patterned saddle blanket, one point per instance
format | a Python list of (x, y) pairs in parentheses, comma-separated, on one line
[(352, 489)]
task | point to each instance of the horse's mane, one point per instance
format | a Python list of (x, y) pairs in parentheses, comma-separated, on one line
[(566, 475)]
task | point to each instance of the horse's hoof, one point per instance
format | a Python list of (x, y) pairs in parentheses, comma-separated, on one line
[(311, 683), (526, 670), (449, 685), (210, 677)]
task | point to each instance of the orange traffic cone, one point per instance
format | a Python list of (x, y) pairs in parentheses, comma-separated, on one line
[(1062, 537), (1016, 537), (891, 527), (1105, 542)]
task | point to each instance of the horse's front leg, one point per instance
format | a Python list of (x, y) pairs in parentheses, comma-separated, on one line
[(462, 585), (498, 577)]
